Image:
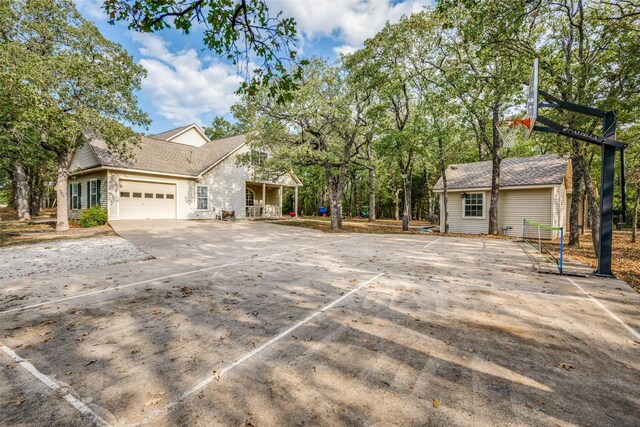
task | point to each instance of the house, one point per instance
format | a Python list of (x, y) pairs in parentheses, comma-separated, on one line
[(537, 188), (175, 174)]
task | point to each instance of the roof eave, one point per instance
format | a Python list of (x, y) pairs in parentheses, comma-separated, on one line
[(502, 187)]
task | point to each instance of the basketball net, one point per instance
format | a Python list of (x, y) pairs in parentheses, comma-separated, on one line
[(509, 130)]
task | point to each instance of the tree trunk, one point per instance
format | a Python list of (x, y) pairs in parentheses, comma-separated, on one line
[(21, 193), (62, 219), (445, 196), (372, 194), (576, 198), (495, 172), (592, 203), (396, 204), (37, 193), (634, 225), (336, 193), (407, 199)]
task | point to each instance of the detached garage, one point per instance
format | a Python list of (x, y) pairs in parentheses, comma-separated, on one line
[(147, 200)]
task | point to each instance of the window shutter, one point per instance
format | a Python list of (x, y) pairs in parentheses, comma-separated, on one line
[(99, 200), (79, 195), (70, 196)]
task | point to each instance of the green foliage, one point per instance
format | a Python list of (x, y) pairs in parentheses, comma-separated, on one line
[(222, 128), (67, 84), (93, 216), (239, 30)]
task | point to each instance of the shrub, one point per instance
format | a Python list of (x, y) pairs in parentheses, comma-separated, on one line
[(93, 216)]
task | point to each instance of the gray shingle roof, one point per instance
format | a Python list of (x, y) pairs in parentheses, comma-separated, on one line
[(156, 155), (167, 135), (546, 169)]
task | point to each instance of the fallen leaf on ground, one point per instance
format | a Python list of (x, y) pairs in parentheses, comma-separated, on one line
[(18, 401), (435, 403), (566, 366)]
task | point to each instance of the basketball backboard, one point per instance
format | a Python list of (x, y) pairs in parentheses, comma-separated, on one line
[(532, 99)]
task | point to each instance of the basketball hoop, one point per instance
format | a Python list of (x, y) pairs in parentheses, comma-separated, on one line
[(509, 129)]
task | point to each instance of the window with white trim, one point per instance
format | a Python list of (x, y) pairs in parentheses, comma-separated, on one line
[(250, 197), (75, 198), (93, 192), (258, 157), (202, 194), (473, 205)]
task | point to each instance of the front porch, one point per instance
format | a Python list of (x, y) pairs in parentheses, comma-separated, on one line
[(264, 200)]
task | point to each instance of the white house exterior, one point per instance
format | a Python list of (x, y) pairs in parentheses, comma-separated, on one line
[(176, 174), (537, 188)]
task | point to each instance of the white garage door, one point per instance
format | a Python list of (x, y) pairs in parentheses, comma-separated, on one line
[(147, 200)]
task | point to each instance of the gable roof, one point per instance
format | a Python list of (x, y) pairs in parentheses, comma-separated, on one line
[(546, 169), (156, 155), (168, 135)]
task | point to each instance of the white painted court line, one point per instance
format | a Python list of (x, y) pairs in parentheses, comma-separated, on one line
[(156, 279), (252, 353), (429, 244), (86, 412), (434, 280), (632, 331)]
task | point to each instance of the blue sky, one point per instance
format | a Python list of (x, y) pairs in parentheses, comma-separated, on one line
[(186, 83)]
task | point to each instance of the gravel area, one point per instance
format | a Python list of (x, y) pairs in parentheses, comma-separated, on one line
[(65, 255)]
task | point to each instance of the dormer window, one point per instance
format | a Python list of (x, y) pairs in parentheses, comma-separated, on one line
[(258, 157)]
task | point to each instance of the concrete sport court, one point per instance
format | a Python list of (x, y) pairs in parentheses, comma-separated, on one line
[(253, 323)]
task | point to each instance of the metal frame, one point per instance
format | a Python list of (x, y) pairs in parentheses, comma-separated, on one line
[(609, 147)]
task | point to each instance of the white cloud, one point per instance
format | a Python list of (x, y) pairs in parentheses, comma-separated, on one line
[(345, 49), (92, 9), (349, 21), (182, 87)]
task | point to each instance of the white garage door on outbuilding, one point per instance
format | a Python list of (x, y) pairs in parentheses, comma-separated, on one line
[(147, 200)]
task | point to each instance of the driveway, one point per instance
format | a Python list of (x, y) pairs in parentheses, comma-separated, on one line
[(250, 323)]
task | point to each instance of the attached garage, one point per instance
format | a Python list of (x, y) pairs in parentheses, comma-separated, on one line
[(147, 200)]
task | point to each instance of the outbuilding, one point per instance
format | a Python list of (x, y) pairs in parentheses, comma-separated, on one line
[(537, 188)]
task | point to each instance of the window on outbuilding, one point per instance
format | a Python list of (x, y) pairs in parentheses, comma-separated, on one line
[(473, 205), (203, 197)]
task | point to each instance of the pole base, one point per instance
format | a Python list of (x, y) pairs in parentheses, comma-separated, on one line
[(608, 275)]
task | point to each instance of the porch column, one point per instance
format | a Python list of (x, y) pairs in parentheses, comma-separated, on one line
[(280, 198), (264, 200), (295, 201)]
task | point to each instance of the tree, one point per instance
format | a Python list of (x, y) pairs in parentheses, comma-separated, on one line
[(242, 30), (321, 126), (80, 85), (222, 128)]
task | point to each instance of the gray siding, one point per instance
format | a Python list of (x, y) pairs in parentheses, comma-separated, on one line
[(83, 158), (83, 180), (543, 205), (532, 204), (458, 224), (227, 185)]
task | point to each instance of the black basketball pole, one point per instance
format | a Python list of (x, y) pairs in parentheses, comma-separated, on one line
[(609, 147), (607, 180)]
